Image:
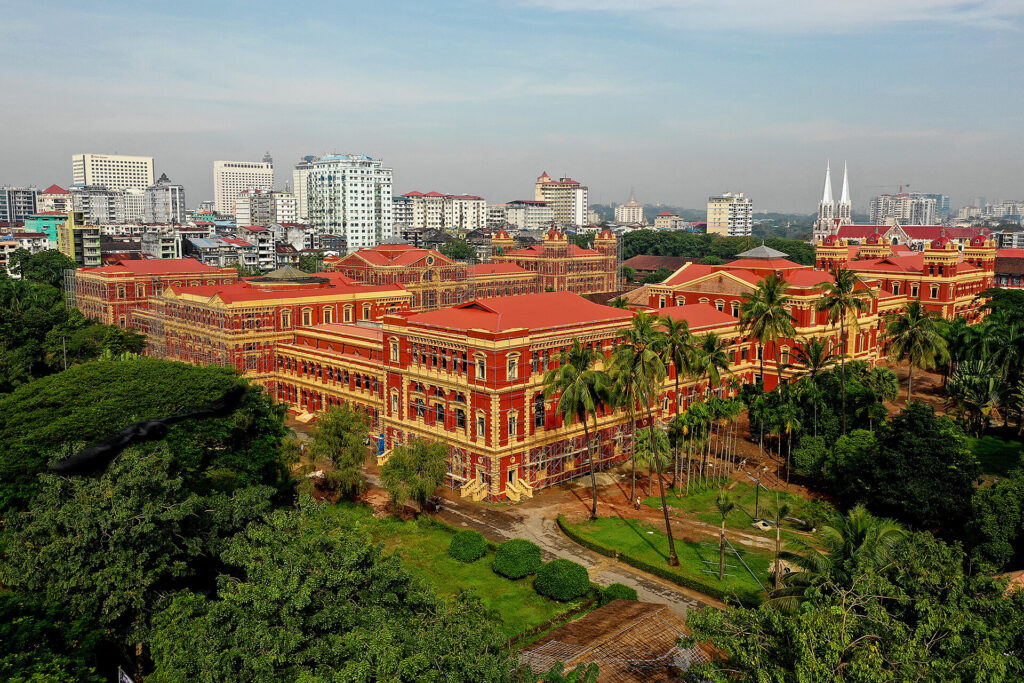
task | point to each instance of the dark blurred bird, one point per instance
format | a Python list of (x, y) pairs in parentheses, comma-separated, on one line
[(97, 458)]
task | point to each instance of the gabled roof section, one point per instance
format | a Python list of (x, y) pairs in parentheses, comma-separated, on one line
[(762, 252), (54, 189), (699, 317), (528, 311), (766, 263)]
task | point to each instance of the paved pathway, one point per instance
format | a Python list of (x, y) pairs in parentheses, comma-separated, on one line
[(537, 524)]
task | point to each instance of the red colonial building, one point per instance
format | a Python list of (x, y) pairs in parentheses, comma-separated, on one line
[(111, 294), (562, 266)]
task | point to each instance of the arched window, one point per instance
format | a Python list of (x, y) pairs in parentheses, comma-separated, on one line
[(327, 314), (307, 316)]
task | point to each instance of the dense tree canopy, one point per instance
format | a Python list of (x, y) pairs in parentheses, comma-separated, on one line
[(698, 245), (339, 437), (53, 416), (460, 250), (304, 600), (909, 614)]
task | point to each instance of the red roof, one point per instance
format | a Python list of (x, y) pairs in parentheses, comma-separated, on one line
[(764, 264), (527, 311), (699, 316), (252, 228), (807, 277), (666, 213), (413, 194), (496, 269), (249, 291), (1010, 253), (893, 264), (54, 189), (931, 232), (861, 231), (166, 266)]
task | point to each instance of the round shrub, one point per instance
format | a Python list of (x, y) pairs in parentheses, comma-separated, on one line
[(468, 546), (618, 591), (517, 558), (562, 580)]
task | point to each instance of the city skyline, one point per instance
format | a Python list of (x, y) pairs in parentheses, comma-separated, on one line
[(523, 88)]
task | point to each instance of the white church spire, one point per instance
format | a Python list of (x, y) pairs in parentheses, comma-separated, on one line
[(844, 210), (826, 196)]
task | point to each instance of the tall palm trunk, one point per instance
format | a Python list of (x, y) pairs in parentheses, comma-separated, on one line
[(842, 361), (593, 475), (910, 378), (673, 561), (632, 455), (778, 364), (721, 551), (778, 551)]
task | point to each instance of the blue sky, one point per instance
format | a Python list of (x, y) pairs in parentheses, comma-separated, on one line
[(675, 98)]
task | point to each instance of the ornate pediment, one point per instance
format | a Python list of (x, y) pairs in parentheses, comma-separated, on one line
[(716, 283)]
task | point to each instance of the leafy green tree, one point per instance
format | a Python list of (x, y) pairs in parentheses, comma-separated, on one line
[(849, 455), (974, 391), (40, 641), (765, 316), (712, 261), (619, 302), (995, 531), (844, 297), (914, 336), (45, 268), (311, 262), (583, 392), (339, 437), (657, 276), (459, 250), (112, 546), (645, 454), (59, 414), (923, 473), (628, 273), (640, 363), (414, 471), (583, 673), (779, 514), (302, 600)]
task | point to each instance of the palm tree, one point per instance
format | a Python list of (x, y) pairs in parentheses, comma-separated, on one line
[(914, 336), (640, 362), (679, 349), (725, 506), (958, 336), (845, 544), (781, 512), (841, 299), (765, 316), (582, 391), (619, 302), (974, 390)]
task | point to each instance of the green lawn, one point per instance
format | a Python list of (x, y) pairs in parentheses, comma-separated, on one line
[(698, 562), (423, 549), (997, 456), (701, 505)]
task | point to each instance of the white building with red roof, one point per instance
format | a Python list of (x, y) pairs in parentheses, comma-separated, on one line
[(568, 198), (53, 198)]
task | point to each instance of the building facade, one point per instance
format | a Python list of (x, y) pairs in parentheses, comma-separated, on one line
[(730, 214), (113, 171), (351, 195), (53, 198), (79, 241), (561, 266), (433, 279), (904, 208), (240, 325), (567, 197), (164, 202), (630, 213), (113, 294), (300, 180), (230, 178), (17, 203), (528, 214)]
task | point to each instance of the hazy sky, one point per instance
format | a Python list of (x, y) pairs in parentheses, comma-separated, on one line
[(675, 98)]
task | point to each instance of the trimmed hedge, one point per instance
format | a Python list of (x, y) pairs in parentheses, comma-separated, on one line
[(430, 520), (663, 572), (468, 546), (517, 558), (562, 580), (618, 591)]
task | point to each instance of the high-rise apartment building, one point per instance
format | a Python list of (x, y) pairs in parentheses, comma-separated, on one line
[(568, 199), (529, 215), (97, 204), (497, 215), (437, 211), (113, 171), (231, 177), (79, 241), (300, 175), (904, 208), (351, 195), (630, 213), (164, 202), (131, 205), (402, 211), (941, 204), (286, 208), (17, 203), (730, 214)]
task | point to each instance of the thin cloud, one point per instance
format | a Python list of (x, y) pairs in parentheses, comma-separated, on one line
[(800, 16)]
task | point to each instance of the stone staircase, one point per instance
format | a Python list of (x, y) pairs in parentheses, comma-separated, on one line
[(518, 490), (474, 490), (383, 457)]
